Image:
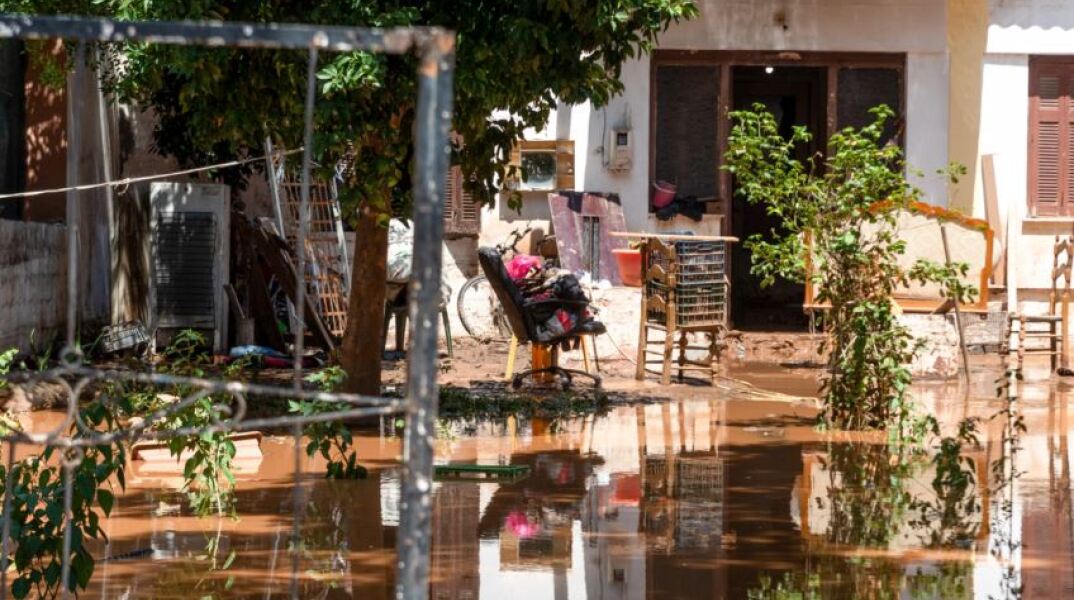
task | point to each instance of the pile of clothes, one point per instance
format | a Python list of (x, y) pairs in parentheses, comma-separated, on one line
[(687, 206), (553, 296)]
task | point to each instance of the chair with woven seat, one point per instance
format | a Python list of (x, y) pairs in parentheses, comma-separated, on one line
[(524, 326), (1050, 327)]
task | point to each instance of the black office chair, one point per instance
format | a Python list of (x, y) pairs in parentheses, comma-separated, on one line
[(520, 315)]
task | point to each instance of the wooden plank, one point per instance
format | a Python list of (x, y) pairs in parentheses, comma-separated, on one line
[(991, 196), (273, 250), (672, 237)]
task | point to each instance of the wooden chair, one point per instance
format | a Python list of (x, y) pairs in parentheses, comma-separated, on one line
[(1051, 326), (395, 306), (669, 306)]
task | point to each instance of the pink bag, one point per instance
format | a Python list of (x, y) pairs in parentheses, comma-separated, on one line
[(521, 265)]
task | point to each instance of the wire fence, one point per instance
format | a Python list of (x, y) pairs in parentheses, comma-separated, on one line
[(434, 50)]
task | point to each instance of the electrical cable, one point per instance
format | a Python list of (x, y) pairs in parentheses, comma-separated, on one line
[(140, 178)]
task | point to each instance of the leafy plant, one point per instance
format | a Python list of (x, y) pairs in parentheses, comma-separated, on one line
[(39, 519), (839, 213), (331, 439), (7, 357), (207, 475)]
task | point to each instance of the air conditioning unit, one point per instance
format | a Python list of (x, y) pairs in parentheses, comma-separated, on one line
[(189, 258)]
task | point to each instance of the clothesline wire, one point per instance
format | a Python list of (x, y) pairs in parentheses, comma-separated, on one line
[(141, 178)]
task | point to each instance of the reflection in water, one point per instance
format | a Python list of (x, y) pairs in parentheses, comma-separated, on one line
[(684, 499)]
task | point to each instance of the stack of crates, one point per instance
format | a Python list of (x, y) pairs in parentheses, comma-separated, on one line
[(685, 292), (696, 283)]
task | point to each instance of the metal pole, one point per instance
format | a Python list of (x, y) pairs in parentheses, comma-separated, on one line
[(432, 123), (298, 496), (958, 311), (72, 216)]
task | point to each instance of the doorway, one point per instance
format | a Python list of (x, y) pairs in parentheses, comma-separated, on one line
[(796, 96)]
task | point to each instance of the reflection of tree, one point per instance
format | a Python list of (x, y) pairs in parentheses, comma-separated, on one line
[(874, 507)]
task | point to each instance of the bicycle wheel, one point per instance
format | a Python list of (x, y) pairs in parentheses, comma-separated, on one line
[(480, 312)]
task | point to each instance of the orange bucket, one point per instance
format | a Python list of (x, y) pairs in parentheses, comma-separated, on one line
[(543, 358), (629, 261)]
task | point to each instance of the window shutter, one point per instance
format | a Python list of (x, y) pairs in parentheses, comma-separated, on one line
[(564, 164), (462, 213), (450, 192), (515, 164), (1051, 146)]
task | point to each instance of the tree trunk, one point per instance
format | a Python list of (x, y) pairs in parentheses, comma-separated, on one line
[(360, 352)]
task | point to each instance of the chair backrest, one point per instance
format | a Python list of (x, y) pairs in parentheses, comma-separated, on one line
[(507, 293), (1062, 263)]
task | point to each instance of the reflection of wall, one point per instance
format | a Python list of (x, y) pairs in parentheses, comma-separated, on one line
[(455, 558), (615, 554), (1047, 522)]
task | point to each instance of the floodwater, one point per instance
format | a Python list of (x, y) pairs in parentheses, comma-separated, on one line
[(711, 494)]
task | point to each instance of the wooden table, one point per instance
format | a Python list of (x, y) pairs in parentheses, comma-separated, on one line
[(672, 237)]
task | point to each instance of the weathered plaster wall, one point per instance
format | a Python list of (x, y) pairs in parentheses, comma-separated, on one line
[(33, 298), (967, 35), (914, 27)]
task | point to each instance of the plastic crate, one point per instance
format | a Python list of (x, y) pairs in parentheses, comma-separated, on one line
[(695, 263), (696, 304), (125, 336)]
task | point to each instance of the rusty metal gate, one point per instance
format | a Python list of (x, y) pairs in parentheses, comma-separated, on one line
[(434, 49)]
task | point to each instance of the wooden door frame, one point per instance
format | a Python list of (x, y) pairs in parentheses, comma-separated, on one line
[(724, 60)]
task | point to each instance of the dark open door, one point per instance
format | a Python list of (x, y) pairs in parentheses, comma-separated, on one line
[(795, 96)]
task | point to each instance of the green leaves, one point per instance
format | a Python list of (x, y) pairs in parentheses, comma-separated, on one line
[(848, 204), (331, 440)]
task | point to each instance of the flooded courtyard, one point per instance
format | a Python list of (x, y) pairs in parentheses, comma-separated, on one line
[(725, 492)]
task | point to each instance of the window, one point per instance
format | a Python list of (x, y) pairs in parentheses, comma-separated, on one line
[(691, 93), (861, 89), (539, 170), (1051, 160), (687, 153), (545, 165)]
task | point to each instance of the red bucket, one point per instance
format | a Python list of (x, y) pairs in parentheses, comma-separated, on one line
[(663, 193)]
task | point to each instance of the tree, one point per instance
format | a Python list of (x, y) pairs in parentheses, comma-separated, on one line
[(513, 58), (848, 203)]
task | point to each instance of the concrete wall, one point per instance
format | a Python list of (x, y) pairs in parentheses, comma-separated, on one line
[(48, 123), (914, 27), (1016, 30), (33, 299)]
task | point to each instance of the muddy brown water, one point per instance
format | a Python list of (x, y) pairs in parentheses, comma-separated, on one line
[(724, 492)]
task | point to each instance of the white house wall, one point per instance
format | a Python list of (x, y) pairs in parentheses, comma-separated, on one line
[(1018, 29), (914, 27)]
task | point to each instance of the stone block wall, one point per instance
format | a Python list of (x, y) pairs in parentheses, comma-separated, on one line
[(33, 296)]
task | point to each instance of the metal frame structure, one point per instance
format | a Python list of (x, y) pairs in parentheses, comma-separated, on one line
[(435, 51)]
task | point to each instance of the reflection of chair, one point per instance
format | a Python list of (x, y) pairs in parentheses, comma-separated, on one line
[(1051, 326), (519, 313)]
